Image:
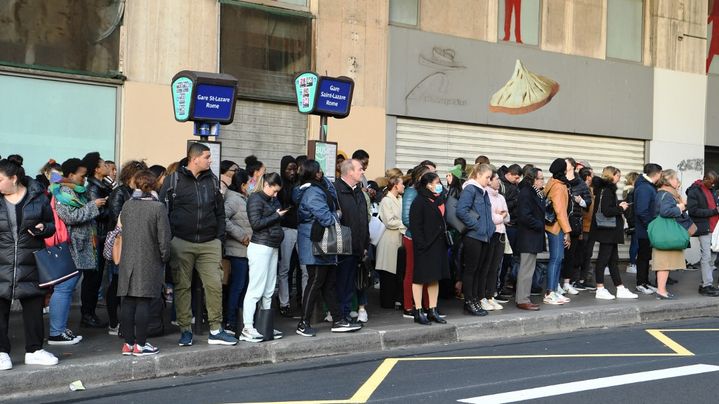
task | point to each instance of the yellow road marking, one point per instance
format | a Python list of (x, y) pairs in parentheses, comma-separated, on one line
[(670, 343), (363, 394)]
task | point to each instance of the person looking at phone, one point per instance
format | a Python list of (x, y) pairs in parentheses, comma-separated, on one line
[(265, 215)]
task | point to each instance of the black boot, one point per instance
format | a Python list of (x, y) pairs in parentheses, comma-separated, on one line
[(434, 316), (420, 317), (473, 308)]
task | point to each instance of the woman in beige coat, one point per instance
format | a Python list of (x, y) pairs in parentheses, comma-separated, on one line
[(390, 213)]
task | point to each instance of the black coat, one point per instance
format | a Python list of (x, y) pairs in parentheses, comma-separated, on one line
[(264, 219), (428, 238), (118, 197), (511, 196), (195, 205), (698, 208), (354, 215), (530, 221), (576, 217), (97, 189), (18, 271), (606, 197)]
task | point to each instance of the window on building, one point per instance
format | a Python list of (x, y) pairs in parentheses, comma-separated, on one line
[(65, 35), (519, 21), (404, 12), (625, 21), (264, 48)]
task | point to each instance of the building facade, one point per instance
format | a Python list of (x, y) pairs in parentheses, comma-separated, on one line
[(434, 79)]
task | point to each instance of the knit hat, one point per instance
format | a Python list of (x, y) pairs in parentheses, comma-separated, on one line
[(456, 171), (558, 167)]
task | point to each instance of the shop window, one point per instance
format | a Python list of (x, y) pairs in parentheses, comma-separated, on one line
[(404, 12), (713, 38), (264, 48), (63, 35), (519, 21), (624, 29)]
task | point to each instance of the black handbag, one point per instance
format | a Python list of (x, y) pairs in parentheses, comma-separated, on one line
[(603, 221), (336, 240), (364, 274), (55, 265)]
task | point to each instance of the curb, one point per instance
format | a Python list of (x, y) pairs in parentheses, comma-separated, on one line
[(111, 368)]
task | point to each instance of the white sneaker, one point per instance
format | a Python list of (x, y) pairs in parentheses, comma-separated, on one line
[(563, 299), (250, 334), (328, 317), (631, 269), (624, 293), (486, 305), (560, 290), (362, 316), (603, 294), (606, 272), (5, 362), (570, 289), (40, 357), (553, 298), (496, 304), (645, 289), (353, 314)]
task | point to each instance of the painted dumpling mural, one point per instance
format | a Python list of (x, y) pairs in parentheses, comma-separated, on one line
[(524, 92)]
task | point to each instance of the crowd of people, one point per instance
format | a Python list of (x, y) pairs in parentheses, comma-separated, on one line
[(475, 236)]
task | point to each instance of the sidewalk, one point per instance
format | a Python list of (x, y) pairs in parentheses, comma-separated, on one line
[(97, 360)]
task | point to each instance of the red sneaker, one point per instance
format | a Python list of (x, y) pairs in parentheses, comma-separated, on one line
[(127, 349)]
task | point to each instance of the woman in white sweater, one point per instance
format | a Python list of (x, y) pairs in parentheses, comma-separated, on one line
[(390, 213)]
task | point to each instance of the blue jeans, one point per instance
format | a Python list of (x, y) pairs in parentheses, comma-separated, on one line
[(346, 288), (60, 305), (556, 256), (633, 249), (239, 276)]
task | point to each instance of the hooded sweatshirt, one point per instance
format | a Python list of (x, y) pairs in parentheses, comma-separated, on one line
[(499, 204)]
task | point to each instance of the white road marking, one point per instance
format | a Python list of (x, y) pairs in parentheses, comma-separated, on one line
[(593, 384)]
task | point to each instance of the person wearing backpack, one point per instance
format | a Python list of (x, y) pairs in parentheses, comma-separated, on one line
[(197, 218), (145, 250), (558, 230)]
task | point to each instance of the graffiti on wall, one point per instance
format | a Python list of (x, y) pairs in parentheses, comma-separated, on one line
[(435, 86)]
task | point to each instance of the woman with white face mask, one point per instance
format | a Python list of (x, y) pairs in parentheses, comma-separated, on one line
[(429, 233)]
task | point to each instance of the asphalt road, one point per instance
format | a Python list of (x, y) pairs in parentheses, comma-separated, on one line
[(667, 367)]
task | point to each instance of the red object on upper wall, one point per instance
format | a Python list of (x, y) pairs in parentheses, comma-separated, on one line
[(516, 6), (714, 45)]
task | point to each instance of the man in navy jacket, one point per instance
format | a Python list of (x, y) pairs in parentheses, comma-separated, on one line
[(645, 192)]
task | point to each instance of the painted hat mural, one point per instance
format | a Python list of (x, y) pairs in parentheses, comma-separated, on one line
[(441, 58), (524, 92)]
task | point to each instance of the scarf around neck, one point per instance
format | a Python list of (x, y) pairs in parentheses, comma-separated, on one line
[(76, 200)]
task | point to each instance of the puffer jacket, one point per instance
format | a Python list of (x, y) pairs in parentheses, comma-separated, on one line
[(312, 204), (97, 189), (264, 219), (474, 198), (18, 271), (196, 206), (698, 207), (644, 212), (410, 193), (237, 224), (81, 226)]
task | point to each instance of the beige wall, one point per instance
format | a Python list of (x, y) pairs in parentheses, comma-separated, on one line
[(668, 46), (576, 27), (149, 129), (463, 18), (163, 37)]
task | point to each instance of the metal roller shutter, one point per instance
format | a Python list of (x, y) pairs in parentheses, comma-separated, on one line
[(442, 142), (267, 130)]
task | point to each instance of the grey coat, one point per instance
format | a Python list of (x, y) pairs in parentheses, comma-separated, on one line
[(81, 226), (237, 225), (145, 248)]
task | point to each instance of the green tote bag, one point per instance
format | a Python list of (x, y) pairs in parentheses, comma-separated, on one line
[(666, 234)]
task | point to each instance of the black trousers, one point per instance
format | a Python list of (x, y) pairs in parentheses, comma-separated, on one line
[(608, 257), (31, 319), (644, 255), (91, 283), (493, 262), (113, 302), (389, 287), (571, 256), (585, 271), (321, 280), (474, 276), (134, 319)]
